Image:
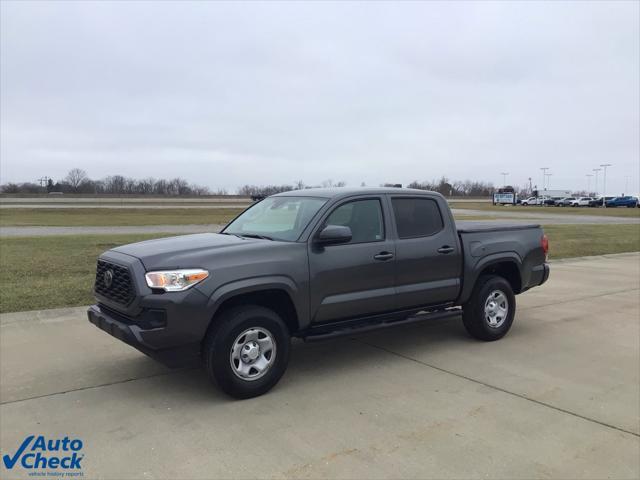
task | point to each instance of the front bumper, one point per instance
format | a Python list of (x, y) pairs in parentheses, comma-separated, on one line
[(127, 331)]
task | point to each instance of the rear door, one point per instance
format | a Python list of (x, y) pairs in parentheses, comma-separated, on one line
[(428, 256), (353, 279)]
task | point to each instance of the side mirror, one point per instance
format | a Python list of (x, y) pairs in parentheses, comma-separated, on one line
[(334, 235)]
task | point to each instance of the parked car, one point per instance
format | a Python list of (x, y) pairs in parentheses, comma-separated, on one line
[(629, 202), (530, 201), (314, 264), (564, 202), (548, 201), (581, 202), (597, 202)]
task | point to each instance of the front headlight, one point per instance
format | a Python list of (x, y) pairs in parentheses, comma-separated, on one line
[(175, 280)]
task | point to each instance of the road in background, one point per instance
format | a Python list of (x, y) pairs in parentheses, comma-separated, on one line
[(547, 217), (62, 206), (62, 199), (558, 397), (36, 231)]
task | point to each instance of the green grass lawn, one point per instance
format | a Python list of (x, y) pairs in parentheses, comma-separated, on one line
[(609, 212), (115, 216), (583, 240), (52, 272), (58, 271)]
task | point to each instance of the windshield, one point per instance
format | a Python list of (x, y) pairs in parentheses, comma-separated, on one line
[(276, 218)]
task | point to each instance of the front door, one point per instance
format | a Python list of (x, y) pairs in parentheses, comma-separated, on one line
[(356, 278)]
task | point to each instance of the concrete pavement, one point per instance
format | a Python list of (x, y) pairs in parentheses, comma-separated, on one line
[(558, 397)]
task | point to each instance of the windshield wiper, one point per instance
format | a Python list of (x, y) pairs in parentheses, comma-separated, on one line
[(254, 235)]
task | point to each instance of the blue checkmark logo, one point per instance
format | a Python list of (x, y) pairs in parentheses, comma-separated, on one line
[(10, 462)]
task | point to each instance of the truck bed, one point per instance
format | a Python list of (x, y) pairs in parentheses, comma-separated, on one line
[(484, 243), (470, 226)]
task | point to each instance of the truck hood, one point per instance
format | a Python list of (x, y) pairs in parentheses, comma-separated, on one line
[(185, 251)]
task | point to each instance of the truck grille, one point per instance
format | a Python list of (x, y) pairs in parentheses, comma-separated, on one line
[(114, 282)]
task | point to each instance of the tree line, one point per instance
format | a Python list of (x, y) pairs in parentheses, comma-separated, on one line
[(77, 181), (456, 188), (266, 190)]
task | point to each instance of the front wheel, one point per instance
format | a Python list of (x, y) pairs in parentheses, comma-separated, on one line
[(247, 351), (489, 313)]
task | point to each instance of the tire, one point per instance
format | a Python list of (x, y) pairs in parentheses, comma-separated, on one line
[(242, 332), (477, 320)]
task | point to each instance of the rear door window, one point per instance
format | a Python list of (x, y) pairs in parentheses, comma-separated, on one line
[(417, 217)]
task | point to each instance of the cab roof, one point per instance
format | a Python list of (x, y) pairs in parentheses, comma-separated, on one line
[(337, 192)]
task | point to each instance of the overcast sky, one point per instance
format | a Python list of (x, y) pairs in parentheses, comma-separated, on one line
[(226, 94)]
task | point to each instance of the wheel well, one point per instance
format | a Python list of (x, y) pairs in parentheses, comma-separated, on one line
[(274, 299), (507, 270)]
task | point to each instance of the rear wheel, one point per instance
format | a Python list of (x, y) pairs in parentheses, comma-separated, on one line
[(489, 313), (247, 351)]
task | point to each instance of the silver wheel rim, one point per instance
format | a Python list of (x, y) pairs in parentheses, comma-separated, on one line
[(496, 309), (253, 353)]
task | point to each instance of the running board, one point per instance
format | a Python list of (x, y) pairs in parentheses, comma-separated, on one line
[(319, 333)]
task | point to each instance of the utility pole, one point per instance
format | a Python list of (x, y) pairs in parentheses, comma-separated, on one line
[(604, 184), (597, 170), (589, 183), (544, 175), (504, 178), (530, 187), (549, 181)]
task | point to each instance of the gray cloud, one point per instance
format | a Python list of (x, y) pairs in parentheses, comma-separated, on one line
[(231, 93)]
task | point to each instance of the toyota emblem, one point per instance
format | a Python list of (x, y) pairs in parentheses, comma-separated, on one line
[(107, 277)]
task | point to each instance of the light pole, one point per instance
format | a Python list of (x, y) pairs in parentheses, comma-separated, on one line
[(589, 183), (548, 181), (504, 178), (597, 170), (544, 174), (604, 184)]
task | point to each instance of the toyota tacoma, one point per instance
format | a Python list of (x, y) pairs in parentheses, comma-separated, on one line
[(313, 264)]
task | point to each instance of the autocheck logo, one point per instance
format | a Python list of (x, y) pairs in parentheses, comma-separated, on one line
[(59, 457)]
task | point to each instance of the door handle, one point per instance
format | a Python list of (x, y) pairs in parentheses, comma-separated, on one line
[(446, 249), (383, 256)]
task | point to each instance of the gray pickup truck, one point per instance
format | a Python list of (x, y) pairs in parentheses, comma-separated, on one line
[(313, 264)]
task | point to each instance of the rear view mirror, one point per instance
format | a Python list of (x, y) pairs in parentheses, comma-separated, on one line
[(334, 235)]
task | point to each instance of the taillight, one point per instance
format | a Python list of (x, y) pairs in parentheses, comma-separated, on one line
[(544, 241)]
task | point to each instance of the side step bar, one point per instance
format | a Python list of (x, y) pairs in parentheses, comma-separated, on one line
[(319, 333)]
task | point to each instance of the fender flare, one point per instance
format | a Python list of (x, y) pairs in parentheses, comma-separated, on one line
[(256, 284), (471, 277)]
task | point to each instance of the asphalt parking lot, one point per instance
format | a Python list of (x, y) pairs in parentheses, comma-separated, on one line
[(558, 397)]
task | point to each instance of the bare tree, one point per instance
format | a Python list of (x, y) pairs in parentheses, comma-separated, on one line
[(75, 178)]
